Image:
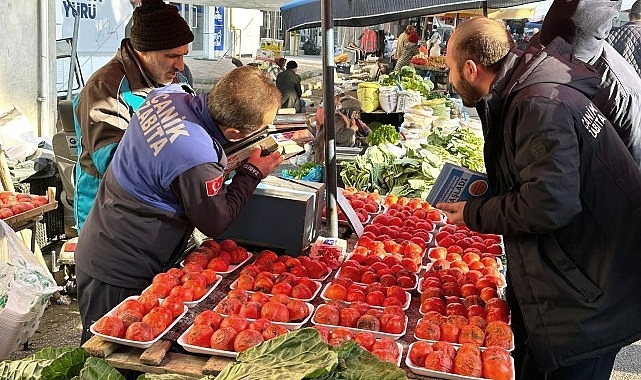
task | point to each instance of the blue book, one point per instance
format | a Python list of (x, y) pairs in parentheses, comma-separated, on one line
[(457, 183)]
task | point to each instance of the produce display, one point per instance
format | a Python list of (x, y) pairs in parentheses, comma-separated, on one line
[(403, 171), (407, 79), (12, 203), (411, 285)]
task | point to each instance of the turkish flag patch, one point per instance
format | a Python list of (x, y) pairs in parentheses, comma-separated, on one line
[(213, 186)]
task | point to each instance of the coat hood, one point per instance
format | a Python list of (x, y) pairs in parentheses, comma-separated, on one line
[(582, 23), (552, 64)]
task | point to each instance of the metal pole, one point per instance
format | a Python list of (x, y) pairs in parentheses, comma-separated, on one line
[(74, 48), (327, 30)]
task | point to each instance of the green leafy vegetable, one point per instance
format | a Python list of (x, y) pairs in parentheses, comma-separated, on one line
[(59, 363), (356, 363), (301, 172), (296, 355), (385, 133)]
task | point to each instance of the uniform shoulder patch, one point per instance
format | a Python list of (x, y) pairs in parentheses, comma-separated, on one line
[(213, 186)]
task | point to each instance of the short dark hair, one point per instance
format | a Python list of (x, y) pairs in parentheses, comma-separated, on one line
[(241, 98), (291, 65), (484, 41)]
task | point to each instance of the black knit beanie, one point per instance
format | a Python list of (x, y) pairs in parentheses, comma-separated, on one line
[(158, 26)]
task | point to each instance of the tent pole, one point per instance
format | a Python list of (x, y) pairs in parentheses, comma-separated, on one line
[(327, 28)]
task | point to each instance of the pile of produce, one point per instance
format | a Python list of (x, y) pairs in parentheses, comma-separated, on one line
[(436, 62), (407, 79), (385, 133), (410, 172)]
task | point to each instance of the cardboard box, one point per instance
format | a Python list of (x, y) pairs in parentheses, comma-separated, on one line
[(282, 214)]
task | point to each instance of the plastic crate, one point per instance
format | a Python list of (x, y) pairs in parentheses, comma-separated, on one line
[(54, 220)]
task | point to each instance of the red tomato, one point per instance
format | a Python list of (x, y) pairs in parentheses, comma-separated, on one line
[(200, 335), (392, 324), (140, 332), (110, 325), (174, 304), (419, 352), (365, 339), (209, 318)]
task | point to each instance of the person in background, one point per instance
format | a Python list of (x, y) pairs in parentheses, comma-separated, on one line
[(167, 178), (349, 129), (289, 84), (185, 73), (277, 68), (585, 25), (410, 50), (152, 57), (627, 39), (552, 158), (320, 110), (434, 43), (400, 43)]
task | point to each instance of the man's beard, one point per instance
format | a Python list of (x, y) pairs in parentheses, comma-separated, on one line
[(468, 94)]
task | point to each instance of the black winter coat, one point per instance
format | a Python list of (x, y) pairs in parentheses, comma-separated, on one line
[(288, 83), (568, 206)]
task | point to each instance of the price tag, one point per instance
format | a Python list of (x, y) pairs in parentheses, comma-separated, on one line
[(349, 212)]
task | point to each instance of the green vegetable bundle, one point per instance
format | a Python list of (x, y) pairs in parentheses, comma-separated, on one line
[(59, 363), (302, 354), (385, 133)]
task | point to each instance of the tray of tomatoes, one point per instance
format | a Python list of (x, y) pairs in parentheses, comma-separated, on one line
[(459, 331), (214, 334), (302, 288), (191, 287), (280, 309), (468, 362), (133, 323), (390, 322), (375, 295)]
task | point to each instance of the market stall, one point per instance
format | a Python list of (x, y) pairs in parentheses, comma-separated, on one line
[(365, 213)]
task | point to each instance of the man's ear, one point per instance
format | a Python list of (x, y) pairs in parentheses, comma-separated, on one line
[(470, 70), (233, 134)]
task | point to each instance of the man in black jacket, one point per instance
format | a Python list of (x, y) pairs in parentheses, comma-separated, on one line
[(288, 83), (567, 202)]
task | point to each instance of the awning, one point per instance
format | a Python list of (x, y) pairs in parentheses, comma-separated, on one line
[(300, 14), (518, 12), (263, 5)]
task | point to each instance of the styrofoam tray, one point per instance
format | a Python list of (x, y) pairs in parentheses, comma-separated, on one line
[(289, 325), (438, 374), (134, 343), (234, 284), (459, 344), (377, 334), (338, 272), (210, 288), (404, 306), (182, 340)]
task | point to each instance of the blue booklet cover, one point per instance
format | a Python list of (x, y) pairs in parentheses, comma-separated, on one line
[(457, 183)]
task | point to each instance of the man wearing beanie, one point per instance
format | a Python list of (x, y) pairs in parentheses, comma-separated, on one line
[(152, 57), (288, 83), (627, 39), (585, 25)]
